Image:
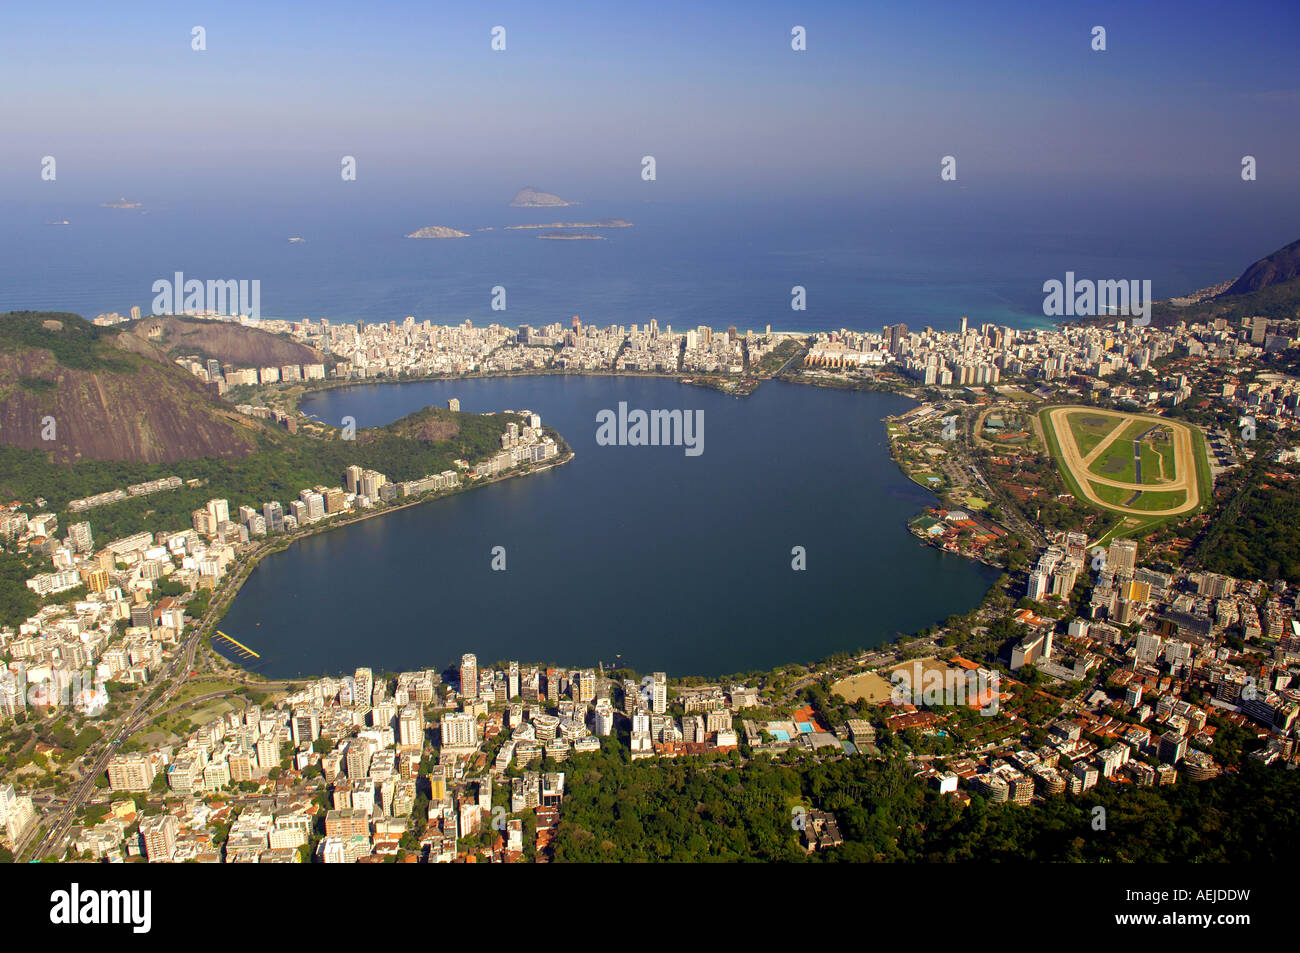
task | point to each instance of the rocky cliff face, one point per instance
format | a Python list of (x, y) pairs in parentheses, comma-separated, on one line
[(227, 343), (1282, 265), (80, 392)]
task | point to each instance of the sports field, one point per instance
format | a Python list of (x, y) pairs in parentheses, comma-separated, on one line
[(1136, 465)]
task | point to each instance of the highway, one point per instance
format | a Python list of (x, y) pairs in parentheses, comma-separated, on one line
[(172, 678), (141, 713)]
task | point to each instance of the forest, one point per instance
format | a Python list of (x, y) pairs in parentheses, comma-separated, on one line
[(731, 810), (17, 602), (1254, 535)]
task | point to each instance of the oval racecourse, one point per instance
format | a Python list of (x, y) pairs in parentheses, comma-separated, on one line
[(1132, 464)]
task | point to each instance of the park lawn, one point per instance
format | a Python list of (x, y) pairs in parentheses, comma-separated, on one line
[(195, 687)]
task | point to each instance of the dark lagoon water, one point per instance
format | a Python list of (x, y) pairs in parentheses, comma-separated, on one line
[(638, 556)]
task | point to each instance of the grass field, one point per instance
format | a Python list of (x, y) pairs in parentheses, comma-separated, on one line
[(1204, 478), (1168, 462), (1114, 495), (1146, 500), (1117, 461), (1159, 500), (1088, 431)]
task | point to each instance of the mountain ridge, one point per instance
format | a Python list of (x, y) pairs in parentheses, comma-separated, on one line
[(1281, 266)]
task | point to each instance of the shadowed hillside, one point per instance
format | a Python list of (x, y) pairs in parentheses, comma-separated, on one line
[(1281, 266)]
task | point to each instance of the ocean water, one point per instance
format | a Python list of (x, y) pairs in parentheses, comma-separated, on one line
[(863, 263)]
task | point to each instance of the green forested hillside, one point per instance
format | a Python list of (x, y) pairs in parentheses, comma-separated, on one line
[(17, 602), (657, 811), (1255, 535), (284, 465)]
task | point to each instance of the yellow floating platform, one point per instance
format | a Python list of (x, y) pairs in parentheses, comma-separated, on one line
[(248, 653)]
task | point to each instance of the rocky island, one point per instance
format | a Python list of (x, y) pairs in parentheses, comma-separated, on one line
[(437, 231), (531, 198), (571, 236), (603, 223)]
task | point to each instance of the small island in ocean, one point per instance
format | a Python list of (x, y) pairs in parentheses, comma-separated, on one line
[(437, 231), (572, 237), (603, 223), (531, 198), (120, 203)]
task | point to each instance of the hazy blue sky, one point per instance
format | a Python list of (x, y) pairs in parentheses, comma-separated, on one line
[(713, 91)]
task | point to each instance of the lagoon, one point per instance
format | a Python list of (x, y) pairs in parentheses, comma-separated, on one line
[(638, 556)]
